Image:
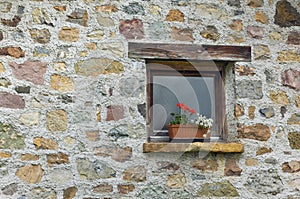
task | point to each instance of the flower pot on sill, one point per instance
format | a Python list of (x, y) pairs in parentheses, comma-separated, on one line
[(187, 131)]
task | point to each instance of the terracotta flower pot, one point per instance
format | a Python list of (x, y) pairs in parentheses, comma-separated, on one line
[(186, 131)]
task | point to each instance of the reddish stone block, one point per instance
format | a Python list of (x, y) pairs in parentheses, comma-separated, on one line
[(115, 113), (8, 100), (11, 22), (291, 78), (294, 38), (132, 29)]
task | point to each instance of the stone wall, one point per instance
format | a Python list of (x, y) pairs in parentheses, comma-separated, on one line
[(72, 103)]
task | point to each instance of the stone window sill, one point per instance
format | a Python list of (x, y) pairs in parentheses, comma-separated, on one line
[(217, 147)]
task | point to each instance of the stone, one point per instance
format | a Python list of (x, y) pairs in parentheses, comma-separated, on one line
[(92, 136), (78, 16), (60, 176), (261, 17), (175, 15), (105, 21), (91, 46), (236, 25), (218, 189), (267, 112), (11, 101), (10, 138), (271, 160), (176, 181), (255, 32), (279, 97), (10, 189), (155, 9), (16, 52), (30, 119), (291, 167), (286, 15), (4, 82), (235, 3), (184, 34), (97, 66), (40, 16), (70, 192), (106, 8), (32, 71), (142, 108), (132, 87), (164, 165), (5, 155), (44, 143), (210, 11), (29, 157), (1, 35), (68, 34), (297, 100), (2, 68), (257, 132), (294, 140), (40, 192), (60, 66), (245, 70), (263, 150), (132, 29), (206, 165), (294, 38), (41, 52), (103, 188), (59, 158), (251, 162), (251, 89), (56, 120), (291, 78), (116, 153), (288, 56), (11, 22), (23, 89), (261, 52), (113, 48), (41, 36), (61, 83), (60, 8), (270, 76), (93, 170), (275, 36), (115, 113), (153, 191), (5, 6), (255, 3), (294, 119), (264, 182), (134, 9), (136, 174), (30, 173), (211, 32), (21, 9), (125, 188), (232, 168), (251, 112)]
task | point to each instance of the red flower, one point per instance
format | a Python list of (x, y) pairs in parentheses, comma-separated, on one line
[(184, 107), (180, 105), (192, 111)]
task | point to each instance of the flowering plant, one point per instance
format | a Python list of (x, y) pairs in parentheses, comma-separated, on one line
[(190, 116)]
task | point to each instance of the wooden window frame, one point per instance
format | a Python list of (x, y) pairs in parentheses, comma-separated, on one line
[(186, 68)]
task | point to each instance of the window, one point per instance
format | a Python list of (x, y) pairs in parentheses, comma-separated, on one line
[(198, 84)]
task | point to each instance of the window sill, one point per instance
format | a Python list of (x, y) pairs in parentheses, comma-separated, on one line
[(217, 147)]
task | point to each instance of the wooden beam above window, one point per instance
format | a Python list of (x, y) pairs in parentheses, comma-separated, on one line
[(189, 51)]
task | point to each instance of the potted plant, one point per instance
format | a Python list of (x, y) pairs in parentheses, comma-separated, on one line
[(188, 124)]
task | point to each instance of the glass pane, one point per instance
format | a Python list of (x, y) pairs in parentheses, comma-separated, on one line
[(196, 92)]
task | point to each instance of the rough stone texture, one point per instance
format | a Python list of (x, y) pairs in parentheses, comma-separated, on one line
[(263, 150), (125, 189), (288, 56), (209, 11), (10, 189), (78, 16), (236, 25), (182, 34), (2, 68), (206, 165), (136, 174), (251, 162), (245, 70), (211, 32), (255, 32), (32, 71), (257, 132), (176, 181), (30, 119), (286, 15), (291, 167), (255, 3), (106, 8), (249, 89), (115, 113), (56, 120), (41, 36), (232, 168), (267, 112), (294, 38), (167, 165), (23, 89), (132, 29), (134, 8), (70, 193), (30, 174), (69, 34), (261, 52), (291, 78), (218, 189), (44, 143), (175, 15), (16, 52), (61, 83), (8, 100), (10, 138), (297, 100), (279, 97), (238, 110), (97, 66), (261, 17), (5, 155), (29, 157), (117, 153), (294, 119), (11, 22), (103, 188), (40, 192), (59, 158), (40, 16)]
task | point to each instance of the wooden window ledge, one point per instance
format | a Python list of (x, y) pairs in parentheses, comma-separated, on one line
[(217, 147)]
